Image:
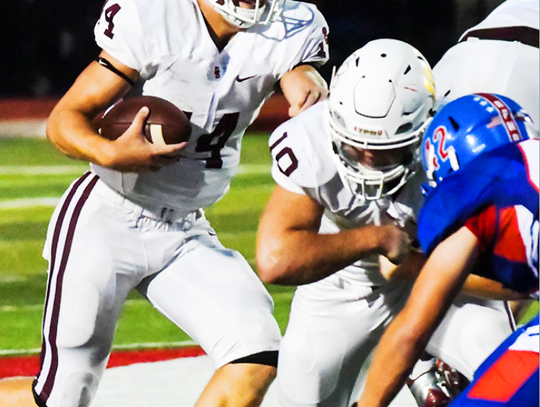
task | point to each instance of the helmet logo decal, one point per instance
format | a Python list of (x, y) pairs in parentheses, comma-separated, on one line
[(429, 82), (507, 118), (368, 132)]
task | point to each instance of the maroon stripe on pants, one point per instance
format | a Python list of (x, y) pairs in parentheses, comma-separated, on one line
[(53, 331)]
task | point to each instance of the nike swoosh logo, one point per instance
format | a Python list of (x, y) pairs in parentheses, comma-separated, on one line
[(238, 79)]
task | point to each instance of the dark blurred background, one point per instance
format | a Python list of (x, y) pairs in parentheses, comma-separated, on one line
[(46, 43)]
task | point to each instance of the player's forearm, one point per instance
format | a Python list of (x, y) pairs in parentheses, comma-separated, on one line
[(489, 289), (406, 271), (300, 256), (396, 354), (72, 133), (408, 334)]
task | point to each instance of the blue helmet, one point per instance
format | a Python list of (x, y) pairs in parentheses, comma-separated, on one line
[(469, 126)]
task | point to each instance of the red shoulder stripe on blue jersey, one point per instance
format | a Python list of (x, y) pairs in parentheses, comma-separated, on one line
[(505, 377), (510, 244), (505, 113)]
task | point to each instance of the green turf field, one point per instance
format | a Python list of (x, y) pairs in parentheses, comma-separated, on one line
[(33, 175)]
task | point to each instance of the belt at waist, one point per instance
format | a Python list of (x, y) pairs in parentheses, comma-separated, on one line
[(525, 35), (156, 211)]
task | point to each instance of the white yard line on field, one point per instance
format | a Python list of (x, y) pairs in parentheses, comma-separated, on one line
[(18, 308), (39, 307), (42, 169), (28, 203), (19, 352), (254, 169), (11, 278), (127, 346)]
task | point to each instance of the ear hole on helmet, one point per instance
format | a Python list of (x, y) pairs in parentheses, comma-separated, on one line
[(455, 125), (404, 128)]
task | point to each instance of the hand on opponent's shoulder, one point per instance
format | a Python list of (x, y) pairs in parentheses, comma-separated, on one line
[(303, 86)]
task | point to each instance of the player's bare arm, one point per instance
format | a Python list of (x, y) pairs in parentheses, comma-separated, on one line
[(70, 128), (475, 286), (482, 287), (437, 285), (290, 250), (408, 270), (303, 86)]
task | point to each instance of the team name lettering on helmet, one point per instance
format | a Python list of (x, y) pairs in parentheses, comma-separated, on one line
[(360, 130), (505, 114)]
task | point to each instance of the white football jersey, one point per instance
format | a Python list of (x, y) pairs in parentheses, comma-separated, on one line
[(168, 43), (511, 13), (303, 163)]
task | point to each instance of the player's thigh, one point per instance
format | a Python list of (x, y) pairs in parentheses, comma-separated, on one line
[(470, 331), (92, 267), (326, 342), (86, 291), (216, 298)]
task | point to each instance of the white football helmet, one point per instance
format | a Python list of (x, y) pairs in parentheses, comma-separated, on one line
[(263, 12), (379, 106)]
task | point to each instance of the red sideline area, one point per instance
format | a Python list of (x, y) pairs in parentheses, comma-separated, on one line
[(273, 113), (29, 365)]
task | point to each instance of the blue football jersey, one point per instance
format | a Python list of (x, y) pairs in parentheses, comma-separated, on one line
[(496, 197)]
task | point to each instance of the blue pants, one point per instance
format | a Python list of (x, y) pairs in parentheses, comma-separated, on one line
[(509, 376)]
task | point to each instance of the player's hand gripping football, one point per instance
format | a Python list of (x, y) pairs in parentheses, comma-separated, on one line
[(132, 152), (394, 244)]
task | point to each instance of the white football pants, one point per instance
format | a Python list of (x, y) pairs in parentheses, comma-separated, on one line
[(99, 247)]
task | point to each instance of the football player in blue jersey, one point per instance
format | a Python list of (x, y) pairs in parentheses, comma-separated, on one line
[(480, 217)]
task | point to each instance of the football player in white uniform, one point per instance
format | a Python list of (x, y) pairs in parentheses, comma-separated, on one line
[(345, 206), (136, 219), (499, 55)]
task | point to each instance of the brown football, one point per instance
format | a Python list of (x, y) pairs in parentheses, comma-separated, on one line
[(166, 124)]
